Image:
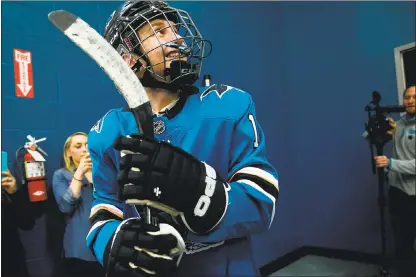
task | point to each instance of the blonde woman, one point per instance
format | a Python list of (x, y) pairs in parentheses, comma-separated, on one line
[(72, 187)]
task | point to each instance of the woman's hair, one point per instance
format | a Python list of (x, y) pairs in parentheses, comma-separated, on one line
[(68, 162)]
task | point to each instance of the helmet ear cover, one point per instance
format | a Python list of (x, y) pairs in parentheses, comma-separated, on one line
[(137, 64)]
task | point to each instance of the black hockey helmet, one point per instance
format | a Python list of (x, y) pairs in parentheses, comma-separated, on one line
[(121, 32)]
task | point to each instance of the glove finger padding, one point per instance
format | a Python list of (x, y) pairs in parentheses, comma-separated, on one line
[(165, 230), (133, 161), (146, 252), (145, 260), (130, 186), (135, 143)]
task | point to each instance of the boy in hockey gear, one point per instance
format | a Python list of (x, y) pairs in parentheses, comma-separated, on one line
[(206, 167)]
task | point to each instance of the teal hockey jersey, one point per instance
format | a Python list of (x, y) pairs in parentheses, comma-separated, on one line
[(218, 126)]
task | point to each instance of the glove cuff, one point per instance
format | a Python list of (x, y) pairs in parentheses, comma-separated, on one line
[(211, 206)]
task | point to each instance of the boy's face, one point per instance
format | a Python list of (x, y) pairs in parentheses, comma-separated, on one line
[(153, 37)]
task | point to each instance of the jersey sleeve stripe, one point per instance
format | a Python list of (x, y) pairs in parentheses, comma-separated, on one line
[(257, 187), (265, 185), (110, 208), (259, 173), (98, 224), (101, 215)]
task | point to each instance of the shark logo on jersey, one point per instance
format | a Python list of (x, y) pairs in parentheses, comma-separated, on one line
[(99, 125), (219, 89)]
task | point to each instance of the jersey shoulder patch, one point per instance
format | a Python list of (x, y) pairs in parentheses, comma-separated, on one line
[(224, 101), (98, 126), (219, 89), (105, 131)]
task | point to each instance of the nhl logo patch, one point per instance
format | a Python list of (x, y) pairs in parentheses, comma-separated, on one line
[(158, 127)]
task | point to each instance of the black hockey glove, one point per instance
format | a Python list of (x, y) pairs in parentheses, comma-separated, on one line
[(133, 251), (166, 177)]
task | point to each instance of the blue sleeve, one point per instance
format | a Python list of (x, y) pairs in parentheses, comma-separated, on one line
[(63, 194), (107, 210), (253, 182)]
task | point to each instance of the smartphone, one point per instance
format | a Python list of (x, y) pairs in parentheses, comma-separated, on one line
[(4, 166)]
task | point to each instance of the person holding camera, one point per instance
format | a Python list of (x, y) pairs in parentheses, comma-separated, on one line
[(73, 189), (401, 169)]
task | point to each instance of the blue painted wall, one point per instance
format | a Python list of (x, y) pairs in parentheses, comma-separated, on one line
[(310, 67)]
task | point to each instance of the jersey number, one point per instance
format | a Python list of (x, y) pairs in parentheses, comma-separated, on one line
[(253, 123)]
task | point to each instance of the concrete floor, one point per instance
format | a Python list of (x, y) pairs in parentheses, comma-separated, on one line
[(322, 266)]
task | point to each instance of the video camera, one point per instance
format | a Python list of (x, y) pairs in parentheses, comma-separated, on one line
[(378, 124), (377, 127)]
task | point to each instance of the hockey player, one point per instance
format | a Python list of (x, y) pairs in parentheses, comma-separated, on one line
[(205, 170)]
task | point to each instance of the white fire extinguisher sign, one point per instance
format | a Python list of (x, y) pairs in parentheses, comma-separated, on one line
[(34, 169)]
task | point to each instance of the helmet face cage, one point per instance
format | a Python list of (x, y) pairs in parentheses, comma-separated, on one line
[(184, 31)]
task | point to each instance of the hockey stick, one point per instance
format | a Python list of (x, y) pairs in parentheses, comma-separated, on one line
[(127, 83)]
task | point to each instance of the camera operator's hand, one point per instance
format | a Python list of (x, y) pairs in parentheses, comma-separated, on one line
[(381, 161), (393, 126)]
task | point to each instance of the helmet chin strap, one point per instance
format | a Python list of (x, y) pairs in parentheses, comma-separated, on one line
[(183, 70), (178, 68)]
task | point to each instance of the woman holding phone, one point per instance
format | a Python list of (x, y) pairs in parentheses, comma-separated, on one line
[(73, 187)]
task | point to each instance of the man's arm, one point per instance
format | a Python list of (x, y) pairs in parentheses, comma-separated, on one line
[(403, 166)]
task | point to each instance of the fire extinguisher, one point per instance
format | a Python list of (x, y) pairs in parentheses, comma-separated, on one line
[(35, 170)]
